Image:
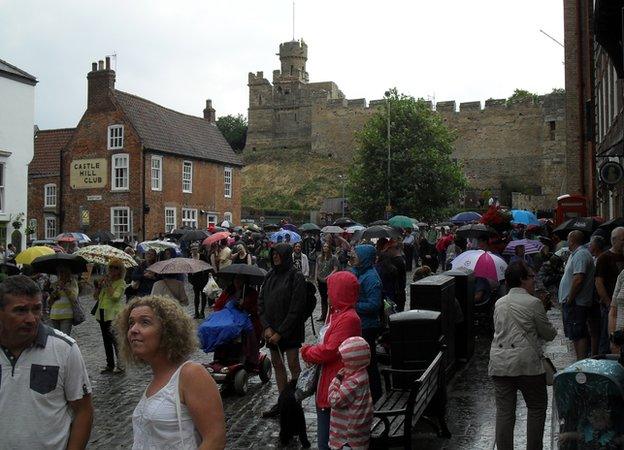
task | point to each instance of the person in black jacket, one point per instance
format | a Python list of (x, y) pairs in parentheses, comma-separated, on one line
[(281, 306)]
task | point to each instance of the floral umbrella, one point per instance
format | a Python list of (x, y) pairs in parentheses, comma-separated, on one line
[(159, 246), (179, 265), (102, 254)]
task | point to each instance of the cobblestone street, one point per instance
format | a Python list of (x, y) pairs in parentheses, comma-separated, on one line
[(471, 411)]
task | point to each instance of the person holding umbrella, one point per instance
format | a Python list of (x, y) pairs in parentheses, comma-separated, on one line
[(198, 281), (109, 292), (64, 294)]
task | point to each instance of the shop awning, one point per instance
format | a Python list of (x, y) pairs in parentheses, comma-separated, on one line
[(608, 31)]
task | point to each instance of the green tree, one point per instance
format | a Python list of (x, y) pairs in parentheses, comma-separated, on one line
[(424, 179), (521, 95), (234, 130)]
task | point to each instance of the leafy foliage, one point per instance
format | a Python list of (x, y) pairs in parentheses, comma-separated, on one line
[(234, 130), (520, 95), (424, 179)]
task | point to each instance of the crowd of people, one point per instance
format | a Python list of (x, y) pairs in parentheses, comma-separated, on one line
[(141, 317)]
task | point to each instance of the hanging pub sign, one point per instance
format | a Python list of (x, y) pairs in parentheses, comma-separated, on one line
[(88, 173), (611, 172)]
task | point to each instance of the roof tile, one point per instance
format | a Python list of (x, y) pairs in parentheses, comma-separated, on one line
[(47, 156), (163, 129)]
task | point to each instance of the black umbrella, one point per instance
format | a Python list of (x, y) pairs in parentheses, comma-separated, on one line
[(475, 230), (380, 231), (379, 222), (271, 227), (177, 232), (585, 224), (102, 236), (194, 235), (612, 224), (254, 274), (344, 222), (10, 269), (49, 263)]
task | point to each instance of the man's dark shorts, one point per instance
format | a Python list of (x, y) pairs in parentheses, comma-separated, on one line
[(284, 345), (575, 321)]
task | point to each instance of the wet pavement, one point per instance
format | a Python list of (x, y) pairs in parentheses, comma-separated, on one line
[(470, 413)]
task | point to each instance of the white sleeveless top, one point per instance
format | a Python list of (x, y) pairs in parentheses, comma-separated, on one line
[(162, 422)]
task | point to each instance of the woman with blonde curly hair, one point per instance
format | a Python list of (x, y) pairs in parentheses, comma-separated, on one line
[(181, 407)]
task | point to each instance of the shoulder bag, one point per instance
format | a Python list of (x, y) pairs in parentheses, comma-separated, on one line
[(549, 368)]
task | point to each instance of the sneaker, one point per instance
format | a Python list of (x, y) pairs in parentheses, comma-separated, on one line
[(119, 369), (271, 413), (107, 369)]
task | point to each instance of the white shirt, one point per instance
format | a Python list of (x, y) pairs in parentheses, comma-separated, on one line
[(35, 390)]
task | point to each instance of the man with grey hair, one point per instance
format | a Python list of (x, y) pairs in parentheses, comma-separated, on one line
[(576, 293), (608, 267), (43, 378)]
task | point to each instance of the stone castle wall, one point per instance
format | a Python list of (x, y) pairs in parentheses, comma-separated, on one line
[(502, 147)]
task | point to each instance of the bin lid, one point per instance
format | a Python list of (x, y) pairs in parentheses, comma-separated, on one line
[(415, 315), (434, 280), (458, 272)]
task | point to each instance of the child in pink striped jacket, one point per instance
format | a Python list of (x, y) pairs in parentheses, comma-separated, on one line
[(350, 398)]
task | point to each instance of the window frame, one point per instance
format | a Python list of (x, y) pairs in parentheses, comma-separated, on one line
[(185, 164), (158, 158), (227, 184), (208, 221), (112, 220), (46, 196), (125, 156), (194, 219), (46, 228), (2, 184), (175, 218), (228, 216), (111, 143)]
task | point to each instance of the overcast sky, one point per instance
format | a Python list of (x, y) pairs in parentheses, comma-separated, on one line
[(178, 53)]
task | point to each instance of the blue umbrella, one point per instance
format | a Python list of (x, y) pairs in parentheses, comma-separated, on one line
[(524, 217), (465, 217), (294, 237)]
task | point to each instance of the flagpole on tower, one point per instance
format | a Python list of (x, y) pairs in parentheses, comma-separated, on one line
[(293, 36)]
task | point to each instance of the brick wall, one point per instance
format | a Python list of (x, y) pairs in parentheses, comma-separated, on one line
[(36, 203)]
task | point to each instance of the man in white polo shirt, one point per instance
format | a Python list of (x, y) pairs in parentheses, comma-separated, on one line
[(45, 393)]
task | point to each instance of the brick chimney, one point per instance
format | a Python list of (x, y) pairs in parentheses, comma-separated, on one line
[(209, 112), (101, 83)]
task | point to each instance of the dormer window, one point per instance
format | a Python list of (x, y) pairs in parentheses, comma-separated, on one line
[(115, 137)]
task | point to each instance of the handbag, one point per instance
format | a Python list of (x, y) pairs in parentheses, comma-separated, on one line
[(307, 382), (549, 368), (78, 313)]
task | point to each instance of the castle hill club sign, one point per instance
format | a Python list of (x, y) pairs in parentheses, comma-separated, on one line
[(88, 173)]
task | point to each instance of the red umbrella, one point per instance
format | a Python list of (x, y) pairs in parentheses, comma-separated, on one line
[(216, 238)]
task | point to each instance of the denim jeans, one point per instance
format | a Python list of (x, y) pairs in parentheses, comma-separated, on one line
[(322, 427)]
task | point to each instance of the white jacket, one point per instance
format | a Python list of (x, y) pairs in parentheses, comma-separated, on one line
[(511, 354)]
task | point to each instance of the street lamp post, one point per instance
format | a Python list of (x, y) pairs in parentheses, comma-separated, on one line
[(389, 205), (342, 179)]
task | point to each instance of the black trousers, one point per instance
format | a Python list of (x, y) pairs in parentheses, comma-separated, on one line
[(322, 288), (409, 257), (374, 377), (199, 294), (110, 343)]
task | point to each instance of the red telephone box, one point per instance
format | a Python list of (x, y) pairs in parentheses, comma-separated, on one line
[(569, 207)]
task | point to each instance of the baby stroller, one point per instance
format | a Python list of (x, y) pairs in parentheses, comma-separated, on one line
[(233, 331), (589, 396)]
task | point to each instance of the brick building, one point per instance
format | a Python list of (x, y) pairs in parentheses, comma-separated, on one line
[(139, 169), (44, 172)]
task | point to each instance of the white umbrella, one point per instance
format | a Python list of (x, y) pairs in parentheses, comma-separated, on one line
[(332, 229), (483, 264)]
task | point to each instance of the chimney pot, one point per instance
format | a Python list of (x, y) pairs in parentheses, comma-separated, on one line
[(208, 104), (108, 63), (93, 66), (100, 65)]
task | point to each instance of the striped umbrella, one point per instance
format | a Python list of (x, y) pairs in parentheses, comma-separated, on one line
[(483, 264), (530, 247)]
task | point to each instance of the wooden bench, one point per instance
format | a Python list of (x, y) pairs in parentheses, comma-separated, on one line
[(401, 408)]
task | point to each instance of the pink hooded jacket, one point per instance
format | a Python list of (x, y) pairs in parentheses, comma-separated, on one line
[(350, 398)]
